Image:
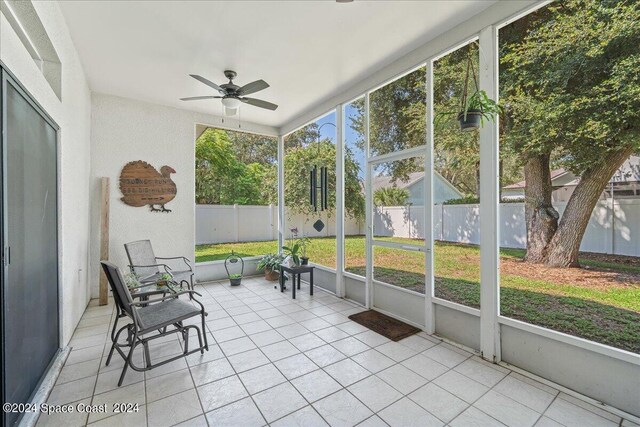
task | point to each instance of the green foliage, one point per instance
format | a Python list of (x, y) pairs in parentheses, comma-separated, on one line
[(398, 122), (298, 162), (293, 251), (391, 196), (271, 262), (131, 279), (240, 168), (303, 242), (304, 151), (221, 178), (394, 121), (467, 200), (570, 81), (607, 315), (235, 276), (252, 148), (478, 101), (569, 84)]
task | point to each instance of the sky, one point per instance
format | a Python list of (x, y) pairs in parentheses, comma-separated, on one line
[(351, 136)]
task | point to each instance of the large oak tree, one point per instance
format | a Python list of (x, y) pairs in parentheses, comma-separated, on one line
[(570, 85), (570, 82)]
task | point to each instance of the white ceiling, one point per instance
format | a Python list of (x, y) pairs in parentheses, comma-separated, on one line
[(308, 51)]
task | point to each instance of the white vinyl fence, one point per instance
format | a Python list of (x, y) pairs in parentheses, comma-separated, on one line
[(612, 229), (238, 223)]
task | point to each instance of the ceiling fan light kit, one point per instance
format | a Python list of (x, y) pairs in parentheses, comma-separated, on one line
[(232, 95), (231, 103), (229, 111)]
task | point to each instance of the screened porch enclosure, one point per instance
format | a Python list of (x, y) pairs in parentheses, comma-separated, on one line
[(464, 286)]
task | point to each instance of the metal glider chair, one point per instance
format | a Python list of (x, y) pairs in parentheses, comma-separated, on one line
[(149, 268), (151, 320)]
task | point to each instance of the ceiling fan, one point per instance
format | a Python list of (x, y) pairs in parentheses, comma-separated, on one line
[(233, 95)]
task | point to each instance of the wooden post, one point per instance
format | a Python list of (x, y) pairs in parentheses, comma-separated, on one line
[(104, 237)]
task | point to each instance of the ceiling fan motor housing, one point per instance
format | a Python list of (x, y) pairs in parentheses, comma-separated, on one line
[(233, 95)]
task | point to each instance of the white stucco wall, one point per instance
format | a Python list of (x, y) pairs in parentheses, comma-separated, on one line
[(125, 130), (72, 114)]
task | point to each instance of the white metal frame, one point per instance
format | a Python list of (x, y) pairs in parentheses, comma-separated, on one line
[(281, 206), (489, 204), (484, 28), (368, 209), (429, 261), (340, 212), (342, 273), (372, 162)]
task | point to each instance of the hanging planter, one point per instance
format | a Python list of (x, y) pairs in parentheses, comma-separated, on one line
[(474, 109), (470, 120), (235, 279)]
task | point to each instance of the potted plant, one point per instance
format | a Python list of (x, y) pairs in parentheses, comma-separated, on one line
[(294, 252), (478, 108), (474, 109), (164, 280), (303, 242), (235, 279), (132, 282), (270, 263), (230, 261)]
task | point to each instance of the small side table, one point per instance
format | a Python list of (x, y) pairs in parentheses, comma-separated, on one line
[(296, 272)]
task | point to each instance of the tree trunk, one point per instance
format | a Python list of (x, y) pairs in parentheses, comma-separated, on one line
[(540, 216), (563, 248)]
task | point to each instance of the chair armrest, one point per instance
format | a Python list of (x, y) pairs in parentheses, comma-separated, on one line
[(186, 260), (167, 269), (134, 305), (138, 303)]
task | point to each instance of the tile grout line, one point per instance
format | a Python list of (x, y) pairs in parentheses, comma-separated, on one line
[(236, 374), (304, 305), (287, 380), (220, 303), (345, 388)]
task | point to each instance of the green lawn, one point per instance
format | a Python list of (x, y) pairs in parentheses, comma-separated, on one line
[(608, 313)]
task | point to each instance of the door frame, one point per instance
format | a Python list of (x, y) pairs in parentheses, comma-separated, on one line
[(427, 242), (8, 78)]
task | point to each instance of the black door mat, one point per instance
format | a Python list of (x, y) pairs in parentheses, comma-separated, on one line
[(386, 326)]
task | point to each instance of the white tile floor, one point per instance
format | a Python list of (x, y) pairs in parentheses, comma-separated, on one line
[(284, 362)]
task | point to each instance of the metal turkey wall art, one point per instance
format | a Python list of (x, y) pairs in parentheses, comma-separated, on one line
[(141, 185)]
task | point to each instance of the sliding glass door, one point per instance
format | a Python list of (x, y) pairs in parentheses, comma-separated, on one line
[(30, 323)]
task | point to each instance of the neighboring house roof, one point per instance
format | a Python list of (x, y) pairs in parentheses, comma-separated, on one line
[(382, 181), (555, 174), (629, 171)]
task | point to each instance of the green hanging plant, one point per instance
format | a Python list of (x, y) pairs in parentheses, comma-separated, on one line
[(474, 109)]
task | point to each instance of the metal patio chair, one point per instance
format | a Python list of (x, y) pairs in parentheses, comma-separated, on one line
[(151, 320), (149, 268)]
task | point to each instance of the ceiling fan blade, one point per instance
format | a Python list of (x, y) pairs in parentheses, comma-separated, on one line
[(195, 98), (259, 103), (208, 83), (253, 87)]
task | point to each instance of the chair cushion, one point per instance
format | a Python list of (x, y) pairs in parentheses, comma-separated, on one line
[(164, 313)]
